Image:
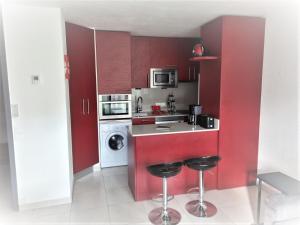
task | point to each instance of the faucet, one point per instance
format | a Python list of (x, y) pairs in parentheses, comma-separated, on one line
[(139, 103)]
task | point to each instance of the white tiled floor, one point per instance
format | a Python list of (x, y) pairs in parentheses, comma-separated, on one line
[(104, 198)]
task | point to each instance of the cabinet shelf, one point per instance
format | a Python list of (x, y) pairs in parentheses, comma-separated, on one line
[(203, 58)]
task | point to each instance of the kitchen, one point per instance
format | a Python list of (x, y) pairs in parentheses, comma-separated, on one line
[(151, 91), (139, 101)]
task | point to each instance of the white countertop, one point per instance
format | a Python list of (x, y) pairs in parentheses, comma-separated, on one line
[(175, 128)]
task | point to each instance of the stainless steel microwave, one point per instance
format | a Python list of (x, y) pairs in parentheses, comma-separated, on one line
[(163, 78)]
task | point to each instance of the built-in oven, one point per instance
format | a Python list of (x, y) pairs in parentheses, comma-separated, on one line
[(115, 106), (163, 78)]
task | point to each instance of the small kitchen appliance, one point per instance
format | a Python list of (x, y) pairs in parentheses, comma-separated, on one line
[(171, 103), (115, 106), (194, 111), (206, 121), (163, 78)]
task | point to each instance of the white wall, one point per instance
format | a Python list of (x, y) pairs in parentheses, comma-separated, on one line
[(3, 137), (279, 122), (34, 42)]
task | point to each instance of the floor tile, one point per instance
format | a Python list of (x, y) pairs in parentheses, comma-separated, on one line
[(53, 210), (114, 171), (119, 195), (116, 181), (58, 218), (95, 215), (131, 213), (240, 214), (89, 200)]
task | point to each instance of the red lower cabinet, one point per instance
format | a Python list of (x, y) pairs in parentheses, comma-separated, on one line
[(143, 121), (230, 89), (148, 150), (83, 103)]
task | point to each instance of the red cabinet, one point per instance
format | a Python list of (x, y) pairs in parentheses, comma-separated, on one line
[(152, 52), (140, 61), (83, 103), (143, 121), (113, 51), (187, 70), (231, 90), (163, 52)]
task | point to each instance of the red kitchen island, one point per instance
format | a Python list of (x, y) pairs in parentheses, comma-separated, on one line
[(149, 145)]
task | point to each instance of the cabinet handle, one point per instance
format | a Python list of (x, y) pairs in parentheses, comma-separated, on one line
[(194, 73), (189, 73), (83, 106), (88, 106)]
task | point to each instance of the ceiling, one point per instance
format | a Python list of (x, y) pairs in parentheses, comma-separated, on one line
[(167, 18)]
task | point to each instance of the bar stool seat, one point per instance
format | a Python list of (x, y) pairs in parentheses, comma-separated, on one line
[(202, 163), (165, 169), (201, 208), (164, 215)]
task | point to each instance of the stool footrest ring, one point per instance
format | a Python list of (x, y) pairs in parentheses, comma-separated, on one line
[(194, 190)]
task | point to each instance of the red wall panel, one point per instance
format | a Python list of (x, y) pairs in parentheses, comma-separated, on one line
[(231, 89), (242, 61), (210, 71)]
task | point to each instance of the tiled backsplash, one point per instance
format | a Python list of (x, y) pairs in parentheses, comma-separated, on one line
[(185, 94)]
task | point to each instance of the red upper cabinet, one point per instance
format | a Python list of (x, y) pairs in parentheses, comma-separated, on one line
[(230, 88), (140, 61), (163, 52), (187, 70), (83, 103), (156, 52), (113, 51)]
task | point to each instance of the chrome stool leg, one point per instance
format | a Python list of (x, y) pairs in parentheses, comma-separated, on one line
[(164, 215), (201, 208)]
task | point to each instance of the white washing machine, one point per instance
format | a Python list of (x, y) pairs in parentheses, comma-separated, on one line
[(114, 142)]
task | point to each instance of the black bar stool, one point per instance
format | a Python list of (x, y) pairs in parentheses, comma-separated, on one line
[(165, 215), (201, 208)]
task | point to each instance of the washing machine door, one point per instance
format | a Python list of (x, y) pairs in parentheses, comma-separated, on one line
[(116, 142)]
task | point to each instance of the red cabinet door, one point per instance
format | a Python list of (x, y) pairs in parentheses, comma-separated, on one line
[(82, 87), (187, 70), (163, 52), (140, 61), (113, 62), (143, 121)]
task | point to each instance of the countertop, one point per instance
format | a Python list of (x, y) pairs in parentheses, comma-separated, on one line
[(175, 128)]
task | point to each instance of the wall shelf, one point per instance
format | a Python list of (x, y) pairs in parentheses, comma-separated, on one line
[(203, 58)]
